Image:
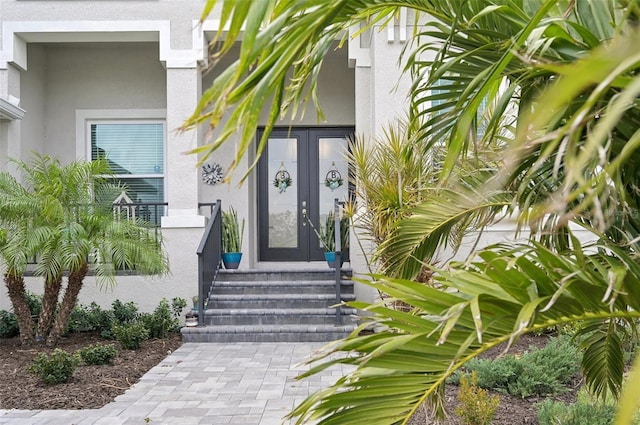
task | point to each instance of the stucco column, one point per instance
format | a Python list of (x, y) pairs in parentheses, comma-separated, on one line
[(183, 92), (10, 131)]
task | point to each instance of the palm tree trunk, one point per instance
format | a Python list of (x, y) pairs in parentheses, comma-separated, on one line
[(49, 304), (15, 287), (75, 281)]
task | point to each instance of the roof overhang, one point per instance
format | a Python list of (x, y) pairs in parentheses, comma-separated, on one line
[(9, 111)]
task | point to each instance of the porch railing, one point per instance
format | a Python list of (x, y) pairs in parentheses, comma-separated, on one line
[(209, 256), (149, 212), (338, 256)]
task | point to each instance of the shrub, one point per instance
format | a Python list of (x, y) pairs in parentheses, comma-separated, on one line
[(164, 318), (584, 411), (559, 357), (8, 324), (496, 374), (131, 335), (125, 313), (541, 371), (98, 354), (55, 368), (476, 406), (35, 303), (91, 318)]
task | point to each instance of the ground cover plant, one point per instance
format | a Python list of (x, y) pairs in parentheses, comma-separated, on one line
[(536, 372), (586, 410)]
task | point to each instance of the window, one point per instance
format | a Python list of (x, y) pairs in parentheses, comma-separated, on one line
[(441, 92), (135, 152)]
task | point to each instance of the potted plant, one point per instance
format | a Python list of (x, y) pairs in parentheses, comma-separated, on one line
[(195, 299), (327, 238), (232, 233)]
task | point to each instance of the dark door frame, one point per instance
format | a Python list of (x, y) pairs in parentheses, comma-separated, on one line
[(308, 189)]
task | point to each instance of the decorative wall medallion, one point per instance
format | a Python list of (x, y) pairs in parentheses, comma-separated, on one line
[(212, 173), (282, 179)]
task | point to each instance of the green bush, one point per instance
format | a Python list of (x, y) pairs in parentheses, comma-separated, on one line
[(35, 303), (475, 407), (496, 374), (164, 318), (55, 368), (125, 313), (131, 335), (541, 371), (98, 354), (555, 412), (91, 318), (8, 324)]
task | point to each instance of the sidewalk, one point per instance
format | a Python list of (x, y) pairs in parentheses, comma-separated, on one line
[(204, 383)]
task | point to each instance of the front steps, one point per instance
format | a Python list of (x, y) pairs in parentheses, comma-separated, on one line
[(275, 306)]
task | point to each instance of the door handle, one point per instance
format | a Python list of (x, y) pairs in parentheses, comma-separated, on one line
[(304, 213)]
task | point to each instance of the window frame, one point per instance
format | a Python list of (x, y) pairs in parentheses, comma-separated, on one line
[(85, 118)]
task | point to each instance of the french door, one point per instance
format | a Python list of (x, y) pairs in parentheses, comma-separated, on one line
[(300, 173)]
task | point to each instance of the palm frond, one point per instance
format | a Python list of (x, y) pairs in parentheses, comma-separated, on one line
[(508, 291), (281, 53), (440, 221)]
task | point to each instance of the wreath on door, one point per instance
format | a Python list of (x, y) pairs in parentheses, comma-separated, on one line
[(282, 179), (333, 179)]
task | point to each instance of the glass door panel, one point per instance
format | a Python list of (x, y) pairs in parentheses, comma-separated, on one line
[(283, 198), (333, 174)]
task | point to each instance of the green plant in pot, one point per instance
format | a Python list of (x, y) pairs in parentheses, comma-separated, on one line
[(327, 237), (232, 233)]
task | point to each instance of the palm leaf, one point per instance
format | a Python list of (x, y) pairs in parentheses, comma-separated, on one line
[(447, 330), (433, 224)]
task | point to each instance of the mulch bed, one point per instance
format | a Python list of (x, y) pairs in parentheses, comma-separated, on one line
[(90, 387)]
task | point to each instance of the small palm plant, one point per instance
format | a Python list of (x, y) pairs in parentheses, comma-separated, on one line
[(62, 216)]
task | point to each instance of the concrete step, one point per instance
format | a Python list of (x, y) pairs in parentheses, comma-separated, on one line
[(267, 333), (250, 275), (223, 287), (274, 301), (275, 306), (293, 316)]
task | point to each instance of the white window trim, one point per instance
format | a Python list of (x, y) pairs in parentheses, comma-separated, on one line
[(85, 117)]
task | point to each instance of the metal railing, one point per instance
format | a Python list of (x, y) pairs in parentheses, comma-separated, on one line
[(338, 257), (209, 257), (149, 212), (206, 208)]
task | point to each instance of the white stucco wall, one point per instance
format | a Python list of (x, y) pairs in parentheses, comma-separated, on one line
[(9, 130), (181, 12), (97, 76), (33, 99)]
